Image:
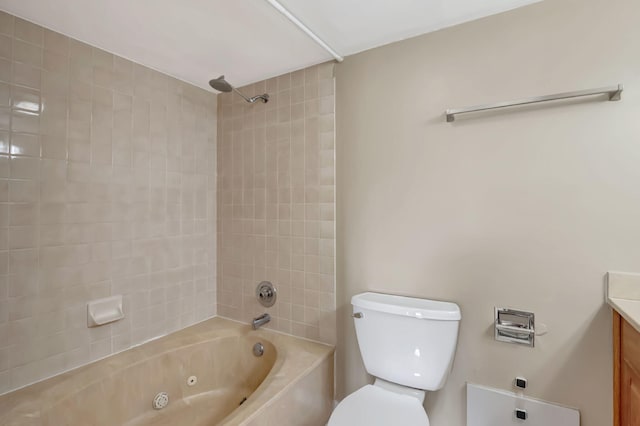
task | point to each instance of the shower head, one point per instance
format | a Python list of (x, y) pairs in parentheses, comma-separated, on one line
[(220, 84), (223, 85)]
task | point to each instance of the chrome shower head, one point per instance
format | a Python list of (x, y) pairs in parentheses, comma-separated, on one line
[(223, 85), (220, 84)]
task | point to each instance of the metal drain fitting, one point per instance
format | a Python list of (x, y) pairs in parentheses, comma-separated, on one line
[(160, 401), (258, 349)]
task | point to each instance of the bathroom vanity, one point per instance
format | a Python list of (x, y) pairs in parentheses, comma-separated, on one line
[(623, 295), (626, 372)]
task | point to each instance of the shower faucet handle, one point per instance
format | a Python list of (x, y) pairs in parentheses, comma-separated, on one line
[(266, 294)]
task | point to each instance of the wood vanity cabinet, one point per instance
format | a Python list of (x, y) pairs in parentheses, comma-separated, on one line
[(626, 373)]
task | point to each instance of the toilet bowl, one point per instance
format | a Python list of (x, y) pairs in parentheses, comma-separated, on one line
[(408, 345), (379, 404)]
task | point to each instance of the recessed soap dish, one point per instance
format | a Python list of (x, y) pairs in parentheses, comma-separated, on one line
[(103, 311)]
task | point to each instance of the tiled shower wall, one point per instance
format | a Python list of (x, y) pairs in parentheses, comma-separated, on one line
[(107, 186), (276, 202)]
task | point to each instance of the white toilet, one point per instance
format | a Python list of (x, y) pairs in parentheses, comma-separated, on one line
[(408, 345)]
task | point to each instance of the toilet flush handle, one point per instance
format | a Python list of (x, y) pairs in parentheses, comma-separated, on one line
[(358, 315)]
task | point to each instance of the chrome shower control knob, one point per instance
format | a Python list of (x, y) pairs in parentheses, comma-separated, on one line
[(266, 294), (160, 401)]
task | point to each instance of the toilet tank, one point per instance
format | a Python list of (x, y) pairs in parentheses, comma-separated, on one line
[(406, 340)]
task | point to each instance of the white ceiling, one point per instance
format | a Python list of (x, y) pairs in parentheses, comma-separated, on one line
[(351, 26), (247, 40)]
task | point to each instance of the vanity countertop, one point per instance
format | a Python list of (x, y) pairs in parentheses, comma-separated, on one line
[(628, 309), (623, 295)]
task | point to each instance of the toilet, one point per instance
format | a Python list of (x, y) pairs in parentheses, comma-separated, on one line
[(408, 345)]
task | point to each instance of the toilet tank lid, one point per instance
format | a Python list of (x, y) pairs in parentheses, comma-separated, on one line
[(407, 306)]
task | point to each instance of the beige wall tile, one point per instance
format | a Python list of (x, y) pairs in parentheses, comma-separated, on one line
[(5, 70), (277, 201), (23, 121), (4, 142), (29, 32), (24, 167), (6, 47), (7, 22), (25, 99), (55, 62), (26, 75), (56, 43), (25, 144), (88, 207), (27, 53)]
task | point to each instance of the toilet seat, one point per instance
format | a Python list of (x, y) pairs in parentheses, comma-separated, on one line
[(375, 406)]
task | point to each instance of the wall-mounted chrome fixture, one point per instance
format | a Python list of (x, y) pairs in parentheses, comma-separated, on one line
[(514, 326), (260, 321), (613, 93), (223, 85), (258, 349), (266, 294)]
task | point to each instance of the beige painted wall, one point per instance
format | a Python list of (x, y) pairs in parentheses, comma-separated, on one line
[(107, 186), (526, 209), (276, 203)]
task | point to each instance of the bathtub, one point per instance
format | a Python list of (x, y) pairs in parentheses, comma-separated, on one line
[(209, 372)]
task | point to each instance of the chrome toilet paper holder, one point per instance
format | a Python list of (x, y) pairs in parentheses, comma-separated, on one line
[(514, 326)]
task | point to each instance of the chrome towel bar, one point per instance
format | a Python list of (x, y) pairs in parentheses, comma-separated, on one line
[(614, 93)]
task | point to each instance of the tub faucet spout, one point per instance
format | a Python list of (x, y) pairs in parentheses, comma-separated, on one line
[(260, 321)]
